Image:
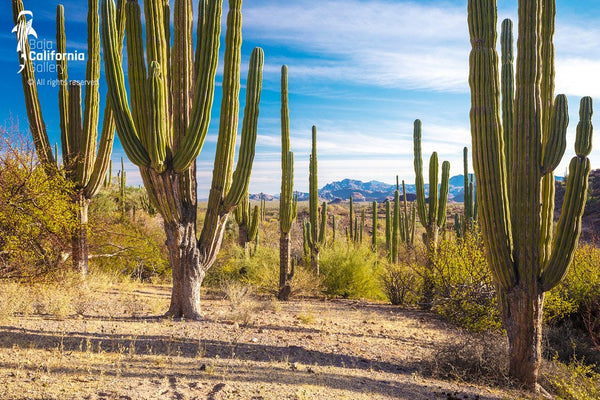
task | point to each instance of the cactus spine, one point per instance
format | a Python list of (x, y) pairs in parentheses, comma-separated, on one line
[(315, 235), (515, 154), (288, 205), (84, 160), (433, 218), (164, 129)]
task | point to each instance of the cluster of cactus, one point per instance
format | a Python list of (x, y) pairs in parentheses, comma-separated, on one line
[(355, 230), (399, 226), (288, 203), (164, 129), (516, 148), (315, 233), (247, 219), (433, 218), (466, 222), (85, 161)]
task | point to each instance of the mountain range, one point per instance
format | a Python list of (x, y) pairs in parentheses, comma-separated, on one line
[(372, 191)]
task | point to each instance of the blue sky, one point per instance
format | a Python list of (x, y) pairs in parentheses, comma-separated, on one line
[(360, 70)]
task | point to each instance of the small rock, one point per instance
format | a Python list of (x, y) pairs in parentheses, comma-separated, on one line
[(254, 340)]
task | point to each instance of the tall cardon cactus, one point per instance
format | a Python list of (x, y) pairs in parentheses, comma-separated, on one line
[(84, 159), (516, 148), (288, 205), (163, 131), (432, 217), (315, 233)]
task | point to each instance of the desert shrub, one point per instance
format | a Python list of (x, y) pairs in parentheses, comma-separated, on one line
[(576, 380), (475, 358), (131, 246), (351, 272), (400, 283), (260, 270), (36, 212), (464, 290), (577, 298)]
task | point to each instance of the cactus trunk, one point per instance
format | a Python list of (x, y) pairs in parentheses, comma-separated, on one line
[(79, 237), (285, 270)]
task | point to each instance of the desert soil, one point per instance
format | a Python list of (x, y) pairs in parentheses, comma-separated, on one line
[(117, 347)]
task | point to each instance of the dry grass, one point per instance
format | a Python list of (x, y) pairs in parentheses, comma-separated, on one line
[(107, 340)]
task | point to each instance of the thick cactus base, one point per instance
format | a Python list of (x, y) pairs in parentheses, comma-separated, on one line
[(188, 273)]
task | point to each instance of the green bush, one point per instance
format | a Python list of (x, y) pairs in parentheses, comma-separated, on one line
[(464, 291), (36, 212), (573, 381), (260, 270), (401, 284), (351, 272)]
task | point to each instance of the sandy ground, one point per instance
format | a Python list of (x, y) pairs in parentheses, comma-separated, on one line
[(247, 349)]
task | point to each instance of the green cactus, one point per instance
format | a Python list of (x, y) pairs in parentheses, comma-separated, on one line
[(351, 228), (374, 212), (288, 205), (468, 220), (432, 217), (388, 230), (122, 185), (164, 129), (108, 176), (515, 153), (408, 220), (85, 161), (246, 218), (315, 236), (395, 227), (333, 227)]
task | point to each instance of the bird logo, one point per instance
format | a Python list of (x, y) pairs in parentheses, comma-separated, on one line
[(23, 29)]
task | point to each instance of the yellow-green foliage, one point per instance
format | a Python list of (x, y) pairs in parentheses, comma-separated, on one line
[(579, 289), (465, 292), (351, 272), (574, 381), (261, 270), (36, 214), (133, 246)]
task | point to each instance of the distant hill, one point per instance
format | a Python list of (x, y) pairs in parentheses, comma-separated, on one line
[(372, 191)]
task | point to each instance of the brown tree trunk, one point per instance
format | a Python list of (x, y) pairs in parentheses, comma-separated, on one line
[(79, 239), (522, 315), (284, 267), (188, 271)]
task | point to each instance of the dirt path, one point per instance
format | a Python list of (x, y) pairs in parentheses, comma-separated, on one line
[(248, 349)]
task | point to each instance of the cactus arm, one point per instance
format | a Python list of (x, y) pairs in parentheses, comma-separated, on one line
[(388, 227), (486, 131), (556, 143), (241, 176), (508, 89), (91, 111), (32, 102), (253, 224), (136, 70), (569, 224), (434, 169), (419, 184), (63, 89), (157, 139), (323, 227), (74, 171), (116, 87), (209, 23), (351, 217), (107, 134), (444, 189), (182, 59)]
